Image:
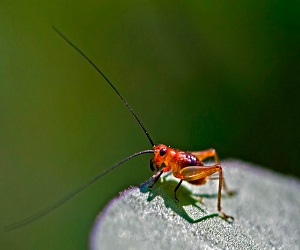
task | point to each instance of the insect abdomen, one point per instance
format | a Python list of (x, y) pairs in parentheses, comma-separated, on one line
[(187, 159)]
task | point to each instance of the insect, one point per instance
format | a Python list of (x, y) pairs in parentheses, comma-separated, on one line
[(184, 166)]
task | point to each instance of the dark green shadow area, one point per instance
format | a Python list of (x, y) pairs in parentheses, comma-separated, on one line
[(165, 190)]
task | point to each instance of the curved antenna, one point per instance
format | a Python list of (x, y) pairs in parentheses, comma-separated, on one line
[(69, 196), (108, 81)]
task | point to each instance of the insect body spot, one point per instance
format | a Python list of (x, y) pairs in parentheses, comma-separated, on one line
[(194, 160), (191, 160)]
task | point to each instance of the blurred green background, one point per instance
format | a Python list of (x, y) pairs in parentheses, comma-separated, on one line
[(199, 74)]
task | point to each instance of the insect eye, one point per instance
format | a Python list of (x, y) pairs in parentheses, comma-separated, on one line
[(162, 152)]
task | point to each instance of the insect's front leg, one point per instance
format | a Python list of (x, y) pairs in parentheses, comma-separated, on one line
[(164, 169)]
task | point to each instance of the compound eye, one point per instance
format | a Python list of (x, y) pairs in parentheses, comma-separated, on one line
[(162, 152)]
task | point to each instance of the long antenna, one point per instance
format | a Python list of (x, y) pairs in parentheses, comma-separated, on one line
[(69, 196), (108, 81)]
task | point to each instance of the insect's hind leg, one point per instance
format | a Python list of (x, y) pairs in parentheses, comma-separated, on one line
[(204, 154), (225, 187), (225, 216), (194, 173)]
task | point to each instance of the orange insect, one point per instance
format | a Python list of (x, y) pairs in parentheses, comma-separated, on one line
[(184, 166)]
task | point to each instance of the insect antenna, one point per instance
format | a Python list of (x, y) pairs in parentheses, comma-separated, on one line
[(69, 196), (106, 79)]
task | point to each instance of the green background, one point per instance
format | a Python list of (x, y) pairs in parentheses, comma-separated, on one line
[(199, 74)]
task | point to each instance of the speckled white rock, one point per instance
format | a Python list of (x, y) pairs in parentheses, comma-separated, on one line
[(266, 210)]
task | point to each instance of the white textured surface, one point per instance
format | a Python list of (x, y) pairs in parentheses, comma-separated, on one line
[(266, 210)]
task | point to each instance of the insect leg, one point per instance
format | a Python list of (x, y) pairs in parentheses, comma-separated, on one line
[(225, 188), (164, 169), (156, 179), (202, 155), (194, 173), (220, 195), (175, 190)]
